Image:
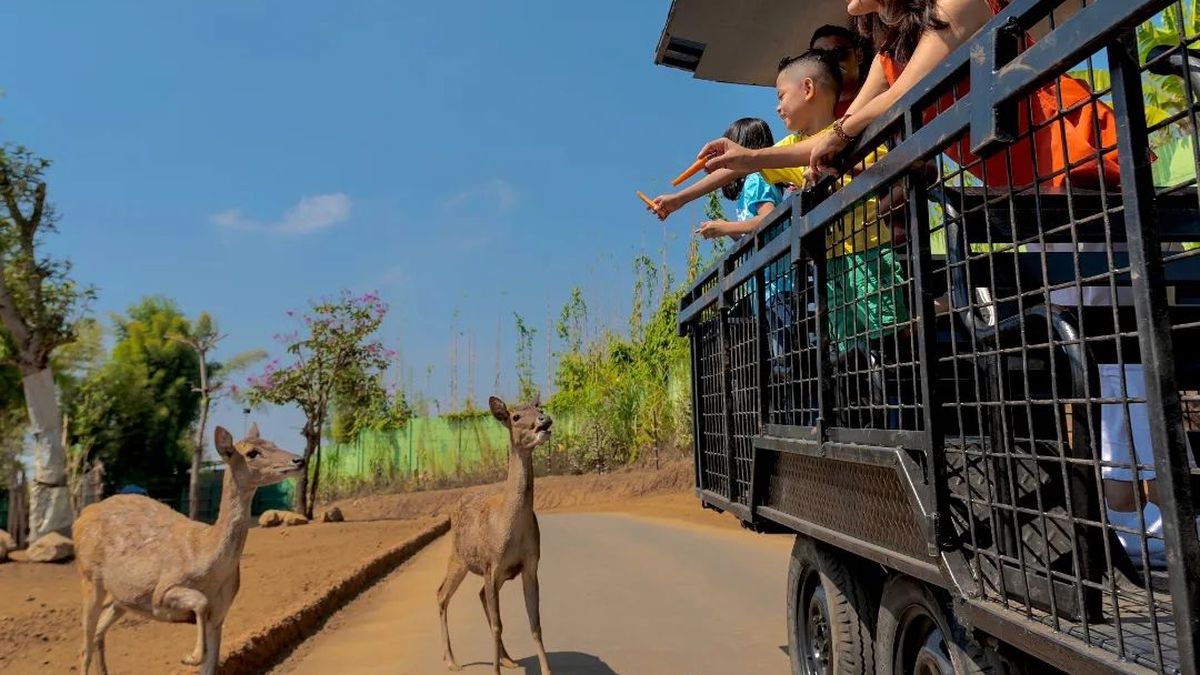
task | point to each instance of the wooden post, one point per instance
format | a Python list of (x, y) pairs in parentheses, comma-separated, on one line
[(18, 513)]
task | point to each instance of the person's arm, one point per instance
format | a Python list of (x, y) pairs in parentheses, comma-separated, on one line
[(725, 154), (874, 85), (665, 205), (963, 18), (735, 229)]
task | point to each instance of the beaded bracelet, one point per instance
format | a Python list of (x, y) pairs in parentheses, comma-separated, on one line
[(841, 133)]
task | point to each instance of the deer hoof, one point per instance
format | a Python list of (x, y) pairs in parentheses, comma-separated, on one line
[(192, 659), (508, 663), (451, 665)]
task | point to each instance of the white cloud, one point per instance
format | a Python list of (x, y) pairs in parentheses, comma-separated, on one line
[(310, 214), (315, 213), (234, 219)]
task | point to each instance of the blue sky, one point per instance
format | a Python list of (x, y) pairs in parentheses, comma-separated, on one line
[(466, 160)]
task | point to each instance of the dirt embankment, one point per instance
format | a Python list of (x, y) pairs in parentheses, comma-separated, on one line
[(287, 572), (283, 570)]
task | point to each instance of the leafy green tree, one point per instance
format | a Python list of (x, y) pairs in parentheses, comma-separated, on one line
[(12, 420), (70, 363), (361, 402), (135, 411), (338, 338), (617, 390), (1167, 94)]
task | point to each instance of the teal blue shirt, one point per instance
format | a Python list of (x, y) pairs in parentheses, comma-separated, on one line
[(756, 191)]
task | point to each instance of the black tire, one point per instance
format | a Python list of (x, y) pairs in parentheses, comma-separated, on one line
[(915, 637), (831, 613)]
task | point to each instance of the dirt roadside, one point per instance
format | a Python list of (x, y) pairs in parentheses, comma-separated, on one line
[(284, 569)]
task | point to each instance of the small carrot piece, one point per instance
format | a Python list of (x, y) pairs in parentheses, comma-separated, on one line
[(649, 202), (691, 171)]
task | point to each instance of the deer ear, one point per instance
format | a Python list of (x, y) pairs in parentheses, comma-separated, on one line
[(499, 409), (253, 433), (537, 399), (224, 442)]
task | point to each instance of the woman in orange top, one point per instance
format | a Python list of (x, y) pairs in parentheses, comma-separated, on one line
[(911, 38)]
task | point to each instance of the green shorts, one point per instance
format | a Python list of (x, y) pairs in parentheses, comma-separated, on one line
[(867, 293)]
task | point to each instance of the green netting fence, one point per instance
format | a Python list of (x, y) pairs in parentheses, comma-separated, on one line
[(426, 450)]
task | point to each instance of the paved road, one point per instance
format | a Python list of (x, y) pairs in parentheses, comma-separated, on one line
[(620, 594)]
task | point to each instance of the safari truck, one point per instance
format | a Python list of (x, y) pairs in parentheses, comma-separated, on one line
[(1004, 477)]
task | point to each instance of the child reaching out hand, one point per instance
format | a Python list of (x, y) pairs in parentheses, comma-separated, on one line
[(808, 88), (755, 197), (865, 281)]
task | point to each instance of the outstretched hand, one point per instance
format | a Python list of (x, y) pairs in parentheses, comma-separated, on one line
[(713, 229), (665, 205), (825, 152), (724, 154)]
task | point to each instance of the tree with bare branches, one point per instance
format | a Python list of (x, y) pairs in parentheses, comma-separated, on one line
[(39, 308), (213, 377)]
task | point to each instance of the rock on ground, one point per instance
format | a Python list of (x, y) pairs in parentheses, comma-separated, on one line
[(291, 518), (270, 518), (276, 517), (332, 515), (7, 545), (52, 547)]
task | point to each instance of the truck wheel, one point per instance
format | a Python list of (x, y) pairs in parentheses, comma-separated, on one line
[(831, 614), (914, 636)]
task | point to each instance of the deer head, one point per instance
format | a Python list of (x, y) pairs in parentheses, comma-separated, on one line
[(255, 461), (528, 425)]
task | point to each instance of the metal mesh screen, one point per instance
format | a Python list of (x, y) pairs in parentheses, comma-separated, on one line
[(1016, 309)]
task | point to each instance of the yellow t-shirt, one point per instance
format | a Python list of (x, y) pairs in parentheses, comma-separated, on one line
[(859, 228)]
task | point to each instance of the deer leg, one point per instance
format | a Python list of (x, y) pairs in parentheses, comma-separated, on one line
[(533, 607), (190, 600), (491, 587), (456, 571), (212, 635), (505, 660), (93, 594), (111, 613)]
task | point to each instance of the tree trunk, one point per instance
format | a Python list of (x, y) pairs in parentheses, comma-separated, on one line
[(310, 446), (17, 520), (198, 451), (316, 483), (49, 499)]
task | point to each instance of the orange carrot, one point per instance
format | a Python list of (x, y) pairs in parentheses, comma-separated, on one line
[(649, 202), (691, 171)]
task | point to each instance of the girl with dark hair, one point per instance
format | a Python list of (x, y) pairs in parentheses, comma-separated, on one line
[(807, 88), (755, 197), (911, 37)]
